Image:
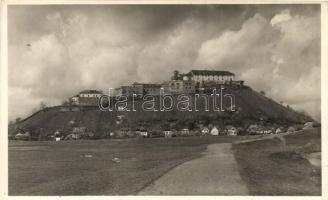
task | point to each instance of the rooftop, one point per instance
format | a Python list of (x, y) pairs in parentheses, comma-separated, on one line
[(90, 92), (147, 84), (211, 72)]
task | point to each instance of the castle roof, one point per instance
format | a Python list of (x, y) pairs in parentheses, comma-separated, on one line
[(147, 84), (211, 73), (90, 92)]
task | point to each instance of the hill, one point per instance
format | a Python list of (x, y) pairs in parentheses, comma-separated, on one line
[(251, 106)]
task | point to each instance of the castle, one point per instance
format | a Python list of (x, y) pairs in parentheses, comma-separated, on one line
[(195, 81)]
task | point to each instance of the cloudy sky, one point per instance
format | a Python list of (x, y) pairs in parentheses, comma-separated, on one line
[(56, 51)]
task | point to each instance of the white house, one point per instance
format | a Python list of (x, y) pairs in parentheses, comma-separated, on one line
[(184, 131), (75, 100), (168, 133), (86, 98), (278, 130), (90, 94), (205, 131), (232, 131), (215, 131), (201, 76)]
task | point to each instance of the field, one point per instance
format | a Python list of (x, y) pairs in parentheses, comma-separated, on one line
[(86, 168), (269, 167)]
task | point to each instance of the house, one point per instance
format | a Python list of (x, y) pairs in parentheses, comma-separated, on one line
[(185, 132), (147, 88), (255, 129), (144, 133), (231, 130), (86, 98), (291, 129), (90, 94), (73, 136), (74, 108), (77, 133), (168, 133), (203, 76), (122, 132), (241, 130), (205, 131), (64, 109), (236, 84), (179, 87), (79, 130), (120, 119), (23, 136), (267, 131), (130, 133), (74, 100), (278, 130), (139, 90), (308, 125), (214, 131), (58, 135), (125, 91)]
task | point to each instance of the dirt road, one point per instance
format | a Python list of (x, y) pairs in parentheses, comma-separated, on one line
[(215, 173)]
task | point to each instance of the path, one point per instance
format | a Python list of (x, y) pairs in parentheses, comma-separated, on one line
[(215, 173)]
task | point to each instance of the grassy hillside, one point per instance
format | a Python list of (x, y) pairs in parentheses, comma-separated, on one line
[(252, 108), (269, 167), (48, 168)]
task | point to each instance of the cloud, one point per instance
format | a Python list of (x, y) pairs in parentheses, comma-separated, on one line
[(235, 49), (282, 17), (270, 57), (177, 50), (73, 49)]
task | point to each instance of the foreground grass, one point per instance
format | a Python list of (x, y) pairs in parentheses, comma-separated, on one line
[(270, 168), (66, 167)]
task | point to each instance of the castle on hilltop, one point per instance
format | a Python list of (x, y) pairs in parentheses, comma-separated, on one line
[(203, 76), (195, 81)]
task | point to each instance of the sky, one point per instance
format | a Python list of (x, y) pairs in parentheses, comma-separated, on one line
[(57, 50)]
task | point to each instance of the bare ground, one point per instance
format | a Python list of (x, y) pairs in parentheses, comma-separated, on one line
[(215, 173)]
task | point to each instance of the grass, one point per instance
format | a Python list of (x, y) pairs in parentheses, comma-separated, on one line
[(61, 168), (268, 168)]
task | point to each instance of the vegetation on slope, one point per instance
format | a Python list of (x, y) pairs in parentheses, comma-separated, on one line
[(252, 107)]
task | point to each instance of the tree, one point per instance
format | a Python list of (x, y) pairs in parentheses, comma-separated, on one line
[(262, 93), (175, 75), (18, 119), (65, 103), (42, 105)]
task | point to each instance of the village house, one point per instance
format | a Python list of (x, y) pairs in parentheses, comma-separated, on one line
[(308, 125), (143, 132), (147, 88), (278, 130), (215, 131), (168, 133), (205, 131), (86, 98), (139, 89), (184, 132), (179, 87), (125, 90), (74, 100), (231, 130), (291, 129)]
